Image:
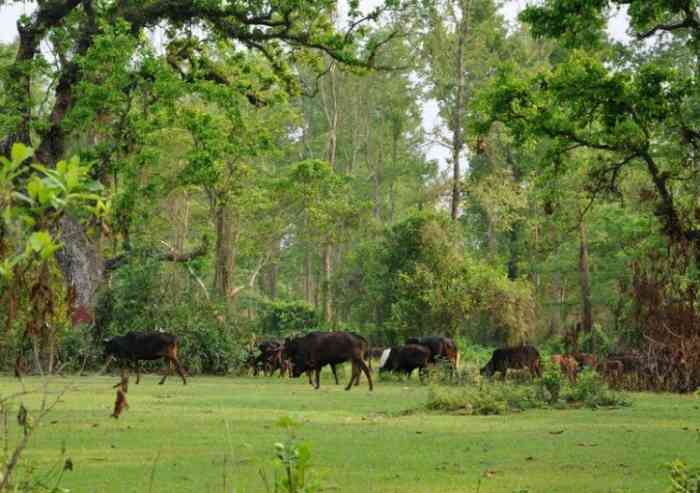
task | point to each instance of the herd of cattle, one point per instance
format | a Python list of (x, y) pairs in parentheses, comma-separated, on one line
[(309, 353)]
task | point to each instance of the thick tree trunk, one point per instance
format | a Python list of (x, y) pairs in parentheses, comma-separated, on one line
[(584, 276), (82, 266), (224, 254), (458, 110)]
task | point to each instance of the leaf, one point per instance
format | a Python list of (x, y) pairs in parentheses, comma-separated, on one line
[(19, 154)]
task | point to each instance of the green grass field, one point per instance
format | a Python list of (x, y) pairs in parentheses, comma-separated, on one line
[(216, 430)]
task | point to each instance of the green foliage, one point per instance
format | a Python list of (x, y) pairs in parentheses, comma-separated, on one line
[(292, 463), (282, 318), (427, 282), (591, 390), (141, 298), (30, 212), (487, 399)]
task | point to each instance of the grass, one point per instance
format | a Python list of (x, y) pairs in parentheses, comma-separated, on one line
[(221, 430)]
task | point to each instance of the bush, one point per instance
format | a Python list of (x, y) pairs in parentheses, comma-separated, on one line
[(592, 390), (489, 398), (281, 318)]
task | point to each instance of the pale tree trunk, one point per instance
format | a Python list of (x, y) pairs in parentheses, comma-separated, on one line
[(330, 107), (223, 262), (326, 284), (555, 287), (458, 110), (584, 276), (308, 284), (83, 268)]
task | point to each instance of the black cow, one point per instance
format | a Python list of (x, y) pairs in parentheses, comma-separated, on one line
[(407, 358), (516, 358), (144, 346), (440, 348), (317, 349), (292, 352)]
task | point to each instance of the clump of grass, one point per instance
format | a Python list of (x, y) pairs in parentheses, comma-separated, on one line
[(488, 399), (485, 397), (684, 479)]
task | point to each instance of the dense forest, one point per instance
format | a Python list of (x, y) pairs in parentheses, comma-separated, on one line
[(227, 170)]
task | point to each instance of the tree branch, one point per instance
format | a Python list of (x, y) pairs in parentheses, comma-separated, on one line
[(171, 256)]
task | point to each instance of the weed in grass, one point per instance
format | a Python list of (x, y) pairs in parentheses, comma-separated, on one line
[(684, 479), (292, 464)]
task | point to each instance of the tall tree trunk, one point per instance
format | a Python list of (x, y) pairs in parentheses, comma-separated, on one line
[(513, 258), (586, 305), (82, 266), (308, 287), (326, 284), (458, 110), (224, 255)]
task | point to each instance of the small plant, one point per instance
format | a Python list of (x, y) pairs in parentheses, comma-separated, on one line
[(292, 464), (550, 384), (683, 478)]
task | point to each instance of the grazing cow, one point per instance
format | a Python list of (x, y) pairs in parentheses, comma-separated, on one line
[(144, 346), (440, 348), (275, 360), (291, 351), (318, 349), (405, 359), (612, 370), (516, 358), (567, 365), (586, 360)]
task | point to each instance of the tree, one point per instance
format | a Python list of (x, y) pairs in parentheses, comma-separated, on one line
[(28, 237), (79, 32)]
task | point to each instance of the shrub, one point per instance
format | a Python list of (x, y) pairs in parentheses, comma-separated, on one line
[(489, 398), (550, 384), (592, 390), (281, 318)]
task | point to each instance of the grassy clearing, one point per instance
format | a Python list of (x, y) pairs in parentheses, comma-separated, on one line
[(218, 430)]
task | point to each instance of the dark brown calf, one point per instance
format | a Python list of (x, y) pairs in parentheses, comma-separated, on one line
[(135, 347), (516, 358)]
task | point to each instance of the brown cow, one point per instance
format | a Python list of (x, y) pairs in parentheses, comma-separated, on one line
[(612, 370), (516, 358), (567, 365), (440, 348), (318, 349), (135, 347)]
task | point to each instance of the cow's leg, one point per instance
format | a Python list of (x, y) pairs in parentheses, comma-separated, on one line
[(138, 371), (335, 374), (124, 382), (168, 371), (355, 373), (180, 371), (363, 367), (110, 358), (318, 377), (309, 373)]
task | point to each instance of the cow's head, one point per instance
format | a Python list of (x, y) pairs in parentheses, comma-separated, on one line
[(487, 370), (110, 347), (291, 351)]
